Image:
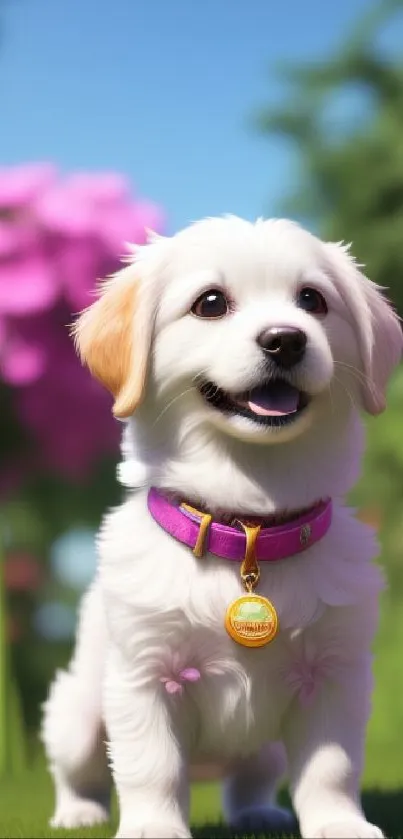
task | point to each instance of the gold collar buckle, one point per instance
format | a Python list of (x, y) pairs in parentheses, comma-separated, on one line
[(250, 571), (204, 524)]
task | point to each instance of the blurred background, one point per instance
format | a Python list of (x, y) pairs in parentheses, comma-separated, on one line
[(116, 117)]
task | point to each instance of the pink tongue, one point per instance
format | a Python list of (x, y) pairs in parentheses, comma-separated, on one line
[(274, 400)]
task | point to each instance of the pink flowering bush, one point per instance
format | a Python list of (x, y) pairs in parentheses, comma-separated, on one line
[(58, 235)]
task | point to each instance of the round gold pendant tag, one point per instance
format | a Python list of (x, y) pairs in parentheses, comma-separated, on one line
[(251, 620)]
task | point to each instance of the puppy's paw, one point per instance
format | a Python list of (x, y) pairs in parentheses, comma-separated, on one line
[(350, 829), (79, 813), (153, 831)]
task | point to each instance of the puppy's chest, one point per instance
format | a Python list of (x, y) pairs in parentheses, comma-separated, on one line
[(235, 697), (239, 694)]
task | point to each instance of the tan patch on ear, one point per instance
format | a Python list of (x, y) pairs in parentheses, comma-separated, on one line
[(103, 336)]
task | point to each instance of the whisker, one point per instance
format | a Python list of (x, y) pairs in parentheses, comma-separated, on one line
[(349, 394), (212, 389), (200, 376), (358, 374), (329, 387), (172, 402)]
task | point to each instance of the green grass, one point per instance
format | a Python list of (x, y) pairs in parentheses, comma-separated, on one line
[(26, 805), (384, 759)]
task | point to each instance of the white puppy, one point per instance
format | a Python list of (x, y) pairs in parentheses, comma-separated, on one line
[(245, 352)]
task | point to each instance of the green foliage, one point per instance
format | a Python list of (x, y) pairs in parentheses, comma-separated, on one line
[(12, 740), (382, 481), (380, 492), (352, 180)]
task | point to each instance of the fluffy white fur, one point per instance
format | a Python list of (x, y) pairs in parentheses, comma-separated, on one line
[(154, 608)]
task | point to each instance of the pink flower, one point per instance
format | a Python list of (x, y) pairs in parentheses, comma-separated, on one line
[(21, 185), (12, 238), (28, 283), (22, 362), (58, 236), (67, 412)]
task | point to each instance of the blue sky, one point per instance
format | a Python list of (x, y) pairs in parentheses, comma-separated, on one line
[(162, 90)]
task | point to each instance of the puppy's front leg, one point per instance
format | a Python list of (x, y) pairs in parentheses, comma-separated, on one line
[(147, 766), (325, 746)]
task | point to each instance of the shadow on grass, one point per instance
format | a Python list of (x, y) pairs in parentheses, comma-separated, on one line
[(385, 809)]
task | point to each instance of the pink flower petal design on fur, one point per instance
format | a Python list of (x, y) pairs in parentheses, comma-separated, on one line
[(301, 679), (307, 674), (172, 687), (189, 674), (172, 683)]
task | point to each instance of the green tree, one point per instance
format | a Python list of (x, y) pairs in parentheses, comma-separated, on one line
[(352, 175)]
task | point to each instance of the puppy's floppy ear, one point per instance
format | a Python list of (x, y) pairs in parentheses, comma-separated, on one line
[(379, 328), (113, 338)]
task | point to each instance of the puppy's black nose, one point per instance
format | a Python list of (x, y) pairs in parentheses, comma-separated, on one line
[(285, 345)]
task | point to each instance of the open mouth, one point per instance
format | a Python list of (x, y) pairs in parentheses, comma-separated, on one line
[(274, 404)]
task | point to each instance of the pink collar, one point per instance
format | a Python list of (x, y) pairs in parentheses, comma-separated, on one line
[(199, 532)]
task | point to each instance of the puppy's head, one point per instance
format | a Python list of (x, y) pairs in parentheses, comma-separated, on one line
[(259, 329)]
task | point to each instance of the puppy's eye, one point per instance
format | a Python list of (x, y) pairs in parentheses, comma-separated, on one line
[(211, 304), (312, 301)]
